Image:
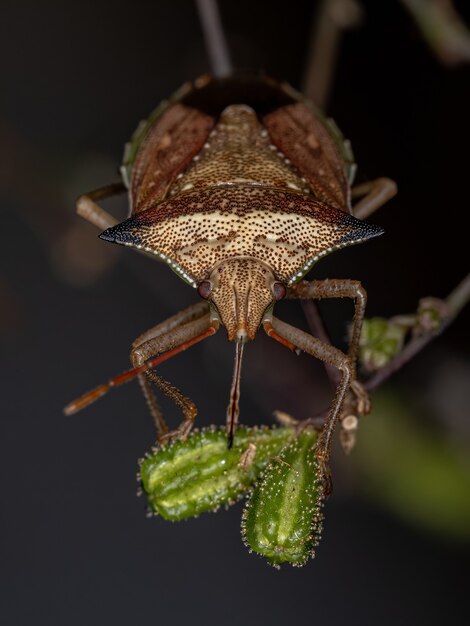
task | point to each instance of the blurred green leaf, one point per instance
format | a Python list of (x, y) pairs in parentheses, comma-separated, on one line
[(416, 472)]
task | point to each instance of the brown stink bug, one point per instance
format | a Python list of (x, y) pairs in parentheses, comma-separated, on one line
[(239, 185)]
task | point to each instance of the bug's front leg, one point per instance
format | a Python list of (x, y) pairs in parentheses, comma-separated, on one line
[(87, 208), (374, 194), (341, 288), (295, 338), (168, 335)]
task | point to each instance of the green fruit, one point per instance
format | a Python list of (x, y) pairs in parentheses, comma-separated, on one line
[(200, 474), (282, 520)]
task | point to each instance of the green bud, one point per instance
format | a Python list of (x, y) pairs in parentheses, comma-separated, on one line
[(380, 341), (430, 315), (200, 474), (282, 520)]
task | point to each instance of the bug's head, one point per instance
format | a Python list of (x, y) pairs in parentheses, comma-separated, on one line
[(241, 289)]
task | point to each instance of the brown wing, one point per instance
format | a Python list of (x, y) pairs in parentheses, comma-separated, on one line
[(176, 137), (303, 139)]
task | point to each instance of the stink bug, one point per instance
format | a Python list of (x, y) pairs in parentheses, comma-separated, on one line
[(240, 185)]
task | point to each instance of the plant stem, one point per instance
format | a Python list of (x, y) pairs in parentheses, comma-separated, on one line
[(454, 302), (216, 44), (443, 29), (332, 18), (318, 329)]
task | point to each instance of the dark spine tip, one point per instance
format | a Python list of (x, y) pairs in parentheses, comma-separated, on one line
[(360, 231), (365, 230), (126, 232), (107, 235), (375, 231)]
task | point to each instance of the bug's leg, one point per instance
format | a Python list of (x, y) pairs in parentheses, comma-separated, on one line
[(87, 208), (376, 193), (168, 336), (341, 288), (164, 347), (295, 339), (182, 317)]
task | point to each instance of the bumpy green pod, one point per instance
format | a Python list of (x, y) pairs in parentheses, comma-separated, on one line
[(200, 474), (282, 520)]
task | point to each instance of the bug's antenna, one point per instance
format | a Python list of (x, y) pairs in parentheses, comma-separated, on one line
[(216, 43), (233, 409)]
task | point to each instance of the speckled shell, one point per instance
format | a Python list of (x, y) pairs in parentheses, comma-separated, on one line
[(239, 167)]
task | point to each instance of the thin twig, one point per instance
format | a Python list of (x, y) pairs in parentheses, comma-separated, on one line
[(216, 44), (443, 29), (459, 297), (318, 329), (454, 302), (333, 17)]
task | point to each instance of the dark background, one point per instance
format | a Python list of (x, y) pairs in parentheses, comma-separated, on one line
[(76, 546)]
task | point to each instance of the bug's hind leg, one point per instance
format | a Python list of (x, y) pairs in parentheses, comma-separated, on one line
[(173, 331), (87, 208), (376, 193)]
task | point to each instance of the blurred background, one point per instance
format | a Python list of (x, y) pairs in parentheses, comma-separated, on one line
[(76, 546)]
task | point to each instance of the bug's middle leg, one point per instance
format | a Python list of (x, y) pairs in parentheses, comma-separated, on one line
[(87, 207), (341, 288), (174, 331), (295, 338), (374, 194)]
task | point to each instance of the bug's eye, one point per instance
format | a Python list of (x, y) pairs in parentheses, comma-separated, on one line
[(204, 289), (279, 290)]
